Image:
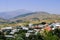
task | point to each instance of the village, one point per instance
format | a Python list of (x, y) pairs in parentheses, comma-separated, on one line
[(29, 30)]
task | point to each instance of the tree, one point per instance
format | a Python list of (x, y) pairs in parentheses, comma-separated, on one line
[(49, 36)]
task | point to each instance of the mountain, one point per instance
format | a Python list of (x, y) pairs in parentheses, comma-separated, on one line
[(25, 15), (36, 15), (12, 14), (2, 21)]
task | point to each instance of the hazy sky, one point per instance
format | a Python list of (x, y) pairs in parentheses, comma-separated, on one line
[(52, 6)]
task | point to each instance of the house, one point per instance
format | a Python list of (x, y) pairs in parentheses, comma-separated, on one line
[(54, 25), (9, 36), (30, 25), (30, 31), (6, 28), (27, 34), (14, 31), (25, 28)]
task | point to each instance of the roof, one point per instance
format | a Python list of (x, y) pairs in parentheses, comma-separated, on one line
[(7, 28), (10, 36)]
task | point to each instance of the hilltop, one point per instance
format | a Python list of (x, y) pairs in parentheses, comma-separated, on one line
[(11, 14), (36, 16), (22, 15)]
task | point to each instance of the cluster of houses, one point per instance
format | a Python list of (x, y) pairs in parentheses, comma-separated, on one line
[(32, 29)]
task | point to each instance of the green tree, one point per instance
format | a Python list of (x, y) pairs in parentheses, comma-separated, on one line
[(50, 36)]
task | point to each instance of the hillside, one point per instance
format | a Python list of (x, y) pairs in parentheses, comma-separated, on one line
[(31, 16), (2, 21), (36, 15), (11, 14)]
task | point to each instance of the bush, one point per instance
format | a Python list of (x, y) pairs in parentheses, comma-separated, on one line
[(57, 32), (50, 36)]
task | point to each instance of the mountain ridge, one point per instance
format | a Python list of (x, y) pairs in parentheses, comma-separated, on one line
[(12, 14), (28, 15), (40, 15)]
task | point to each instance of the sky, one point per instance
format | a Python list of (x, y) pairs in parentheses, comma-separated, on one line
[(51, 6)]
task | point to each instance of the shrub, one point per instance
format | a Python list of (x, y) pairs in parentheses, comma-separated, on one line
[(50, 36)]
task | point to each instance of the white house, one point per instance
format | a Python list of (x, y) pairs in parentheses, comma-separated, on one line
[(30, 25), (6, 28)]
